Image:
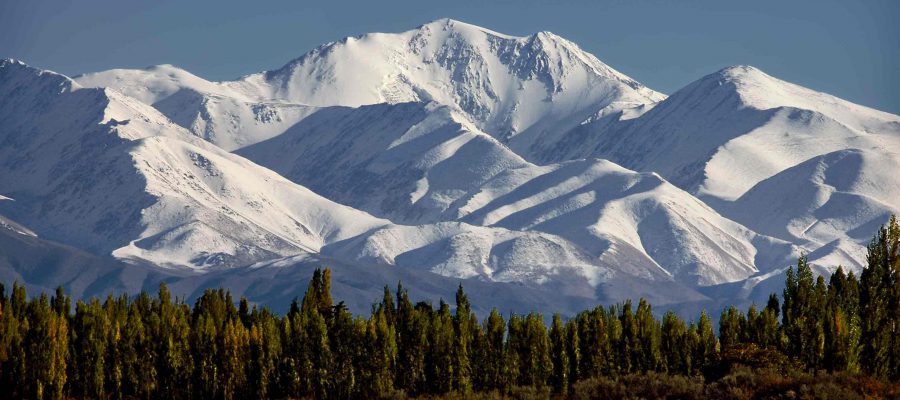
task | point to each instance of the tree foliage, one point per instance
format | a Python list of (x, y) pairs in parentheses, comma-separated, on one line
[(160, 347)]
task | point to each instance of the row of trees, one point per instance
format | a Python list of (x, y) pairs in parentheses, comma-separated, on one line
[(146, 347)]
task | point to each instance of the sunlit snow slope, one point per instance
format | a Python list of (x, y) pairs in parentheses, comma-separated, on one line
[(507, 86), (421, 163), (107, 173), (456, 150), (784, 160)]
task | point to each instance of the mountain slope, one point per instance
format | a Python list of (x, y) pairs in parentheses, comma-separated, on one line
[(722, 134), (783, 160), (831, 203), (194, 205), (454, 150), (213, 111), (407, 162), (504, 84), (417, 163), (106, 173), (513, 88), (625, 218)]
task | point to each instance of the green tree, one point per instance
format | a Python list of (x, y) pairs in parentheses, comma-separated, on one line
[(318, 353), (465, 324), (491, 354), (344, 336), (648, 337), (704, 344), (89, 346), (529, 350), (730, 328), (265, 351), (62, 304), (842, 325), (318, 294), (573, 353), (879, 303), (559, 357), (594, 343), (674, 345), (439, 356), (412, 339), (378, 378), (169, 322), (235, 343), (46, 350)]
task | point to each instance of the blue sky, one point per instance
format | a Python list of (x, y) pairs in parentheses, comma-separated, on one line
[(847, 48)]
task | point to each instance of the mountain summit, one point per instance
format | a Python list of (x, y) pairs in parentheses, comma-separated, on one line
[(503, 84), (455, 150)]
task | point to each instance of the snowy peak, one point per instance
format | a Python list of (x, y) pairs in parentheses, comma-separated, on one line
[(752, 146), (762, 91), (516, 89), (504, 84), (729, 130), (156, 83), (32, 90), (539, 54), (110, 174), (449, 25), (15, 73)]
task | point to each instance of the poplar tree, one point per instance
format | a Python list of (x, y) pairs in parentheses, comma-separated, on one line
[(879, 302), (730, 332), (628, 346), (170, 324), (841, 327), (491, 354), (674, 346), (705, 346), (89, 349), (573, 354), (46, 350), (559, 377), (378, 378), (532, 348), (412, 331), (464, 324), (15, 327), (648, 337), (265, 351), (439, 360), (593, 343)]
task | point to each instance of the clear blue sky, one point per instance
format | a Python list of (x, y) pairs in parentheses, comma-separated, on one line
[(847, 48)]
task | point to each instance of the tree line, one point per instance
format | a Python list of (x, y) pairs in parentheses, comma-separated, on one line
[(160, 347)]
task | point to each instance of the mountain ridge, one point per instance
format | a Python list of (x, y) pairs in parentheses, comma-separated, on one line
[(456, 150)]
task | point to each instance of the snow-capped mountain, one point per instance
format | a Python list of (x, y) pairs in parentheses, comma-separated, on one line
[(107, 173), (229, 118), (407, 162), (111, 175), (506, 86), (728, 131), (420, 163), (445, 152), (830, 204), (757, 149)]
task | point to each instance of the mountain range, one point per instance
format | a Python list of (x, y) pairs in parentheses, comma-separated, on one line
[(522, 167)]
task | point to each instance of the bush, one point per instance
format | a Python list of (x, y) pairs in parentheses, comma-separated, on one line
[(752, 356), (640, 386), (742, 382)]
